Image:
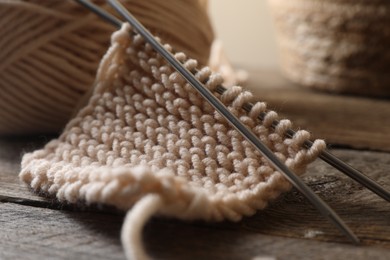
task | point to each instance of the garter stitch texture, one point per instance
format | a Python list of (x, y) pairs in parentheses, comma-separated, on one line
[(148, 143)]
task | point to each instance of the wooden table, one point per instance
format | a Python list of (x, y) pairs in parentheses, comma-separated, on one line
[(34, 227)]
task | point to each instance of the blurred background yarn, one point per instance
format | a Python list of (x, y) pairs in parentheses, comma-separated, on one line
[(340, 46)]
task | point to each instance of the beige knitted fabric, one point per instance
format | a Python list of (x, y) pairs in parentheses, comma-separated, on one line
[(147, 139)]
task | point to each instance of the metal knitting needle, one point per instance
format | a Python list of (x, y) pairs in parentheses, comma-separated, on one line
[(309, 194), (325, 155), (101, 12), (234, 121)]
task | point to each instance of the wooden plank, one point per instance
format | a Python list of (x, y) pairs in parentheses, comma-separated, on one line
[(37, 233), (343, 120), (289, 216)]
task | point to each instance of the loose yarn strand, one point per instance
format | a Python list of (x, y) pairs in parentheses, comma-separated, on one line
[(131, 234)]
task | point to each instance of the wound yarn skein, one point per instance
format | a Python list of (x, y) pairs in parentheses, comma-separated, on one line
[(50, 50)]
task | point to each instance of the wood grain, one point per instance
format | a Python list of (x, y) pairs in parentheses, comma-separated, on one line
[(36, 233), (33, 227), (357, 122)]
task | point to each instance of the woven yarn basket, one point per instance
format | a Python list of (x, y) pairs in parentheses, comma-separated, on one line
[(341, 46)]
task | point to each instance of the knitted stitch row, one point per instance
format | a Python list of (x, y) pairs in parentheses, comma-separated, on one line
[(147, 139)]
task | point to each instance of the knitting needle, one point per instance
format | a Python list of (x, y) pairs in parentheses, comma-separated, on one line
[(325, 155), (101, 13), (301, 186)]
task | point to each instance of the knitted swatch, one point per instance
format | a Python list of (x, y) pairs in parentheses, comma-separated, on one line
[(148, 143)]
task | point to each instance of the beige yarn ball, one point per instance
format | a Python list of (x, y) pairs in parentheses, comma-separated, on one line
[(340, 46), (50, 50)]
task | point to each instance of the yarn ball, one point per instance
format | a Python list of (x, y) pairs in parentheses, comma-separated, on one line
[(338, 46), (50, 51)]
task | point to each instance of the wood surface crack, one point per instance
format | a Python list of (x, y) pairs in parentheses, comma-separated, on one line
[(28, 202)]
